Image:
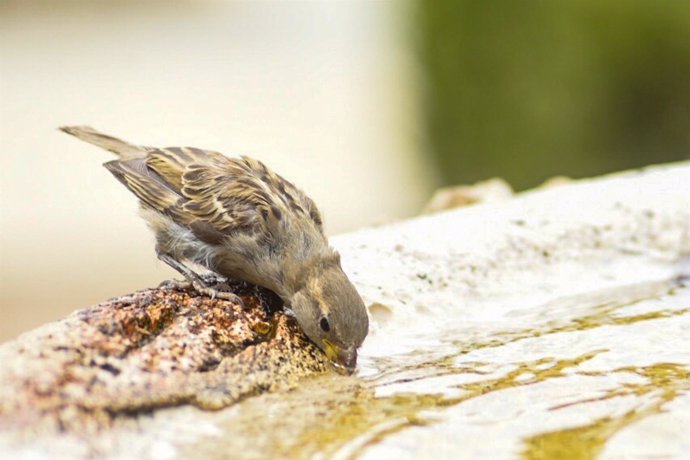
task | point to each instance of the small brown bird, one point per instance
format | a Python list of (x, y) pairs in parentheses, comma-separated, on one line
[(239, 219)]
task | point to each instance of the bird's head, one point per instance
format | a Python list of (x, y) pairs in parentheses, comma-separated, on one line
[(332, 314)]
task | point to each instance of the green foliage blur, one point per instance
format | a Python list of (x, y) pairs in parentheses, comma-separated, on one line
[(526, 90)]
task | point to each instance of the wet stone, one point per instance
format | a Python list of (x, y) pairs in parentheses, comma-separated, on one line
[(152, 349)]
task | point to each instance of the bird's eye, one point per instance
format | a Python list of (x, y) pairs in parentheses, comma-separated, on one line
[(324, 324)]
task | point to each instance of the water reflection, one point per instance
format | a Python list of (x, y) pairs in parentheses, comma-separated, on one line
[(587, 368)]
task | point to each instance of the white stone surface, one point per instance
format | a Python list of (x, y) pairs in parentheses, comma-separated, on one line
[(561, 309)]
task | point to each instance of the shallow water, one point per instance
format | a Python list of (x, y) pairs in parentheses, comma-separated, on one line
[(573, 378)]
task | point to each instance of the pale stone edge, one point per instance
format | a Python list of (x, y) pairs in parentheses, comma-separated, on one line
[(386, 264)]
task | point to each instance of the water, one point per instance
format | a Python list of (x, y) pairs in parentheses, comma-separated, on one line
[(574, 378)]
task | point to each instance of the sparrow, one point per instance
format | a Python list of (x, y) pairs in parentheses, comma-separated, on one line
[(242, 221)]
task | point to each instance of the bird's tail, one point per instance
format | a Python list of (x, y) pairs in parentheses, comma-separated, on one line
[(119, 147)]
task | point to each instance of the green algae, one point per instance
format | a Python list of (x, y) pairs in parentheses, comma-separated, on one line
[(346, 429), (664, 381), (342, 417), (401, 411)]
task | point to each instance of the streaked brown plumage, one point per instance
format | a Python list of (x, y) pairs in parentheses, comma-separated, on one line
[(239, 219)]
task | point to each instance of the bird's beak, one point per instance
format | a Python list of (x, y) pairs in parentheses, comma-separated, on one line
[(345, 359)]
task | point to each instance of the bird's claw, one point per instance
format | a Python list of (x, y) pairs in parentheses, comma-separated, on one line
[(215, 293), (221, 290), (175, 285)]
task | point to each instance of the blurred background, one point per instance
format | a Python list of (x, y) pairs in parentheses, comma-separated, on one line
[(368, 105)]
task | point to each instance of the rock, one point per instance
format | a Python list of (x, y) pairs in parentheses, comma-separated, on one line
[(457, 196), (149, 350)]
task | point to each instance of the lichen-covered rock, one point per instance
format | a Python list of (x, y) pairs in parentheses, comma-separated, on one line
[(151, 349)]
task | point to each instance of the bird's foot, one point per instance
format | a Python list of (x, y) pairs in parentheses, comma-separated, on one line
[(175, 285), (215, 293), (216, 289), (212, 286)]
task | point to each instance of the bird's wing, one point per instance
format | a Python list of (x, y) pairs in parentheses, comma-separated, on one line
[(213, 195), (146, 184), (242, 193)]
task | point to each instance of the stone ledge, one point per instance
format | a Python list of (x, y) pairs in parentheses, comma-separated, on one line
[(475, 266), (149, 350)]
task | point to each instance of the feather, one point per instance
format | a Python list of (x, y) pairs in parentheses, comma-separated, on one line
[(117, 146)]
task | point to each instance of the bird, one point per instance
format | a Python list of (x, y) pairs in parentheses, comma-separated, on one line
[(237, 218)]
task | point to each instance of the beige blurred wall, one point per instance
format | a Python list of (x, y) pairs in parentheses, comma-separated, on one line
[(323, 92)]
